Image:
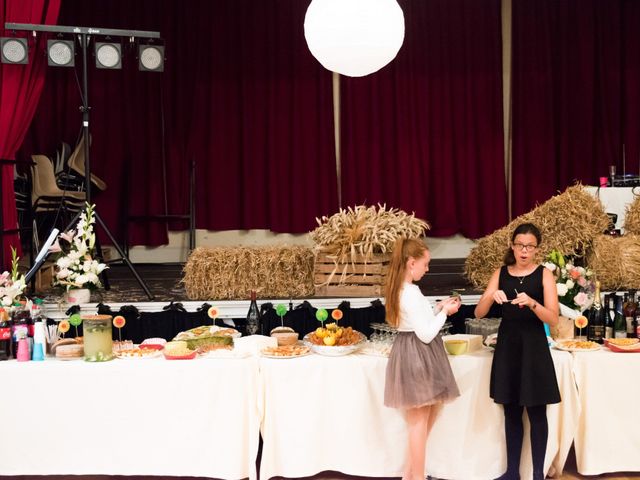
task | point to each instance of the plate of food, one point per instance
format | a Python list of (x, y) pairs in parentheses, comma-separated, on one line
[(178, 350), (623, 345), (286, 351), (138, 353), (577, 346)]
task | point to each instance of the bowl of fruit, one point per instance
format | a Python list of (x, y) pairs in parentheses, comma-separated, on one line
[(334, 340)]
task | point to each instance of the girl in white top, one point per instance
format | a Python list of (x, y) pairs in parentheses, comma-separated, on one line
[(418, 376)]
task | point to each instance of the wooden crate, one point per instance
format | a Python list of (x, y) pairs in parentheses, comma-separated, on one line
[(360, 278)]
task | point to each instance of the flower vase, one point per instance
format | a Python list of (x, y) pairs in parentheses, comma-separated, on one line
[(76, 296)]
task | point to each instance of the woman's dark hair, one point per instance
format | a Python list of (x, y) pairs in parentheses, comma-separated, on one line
[(522, 229)]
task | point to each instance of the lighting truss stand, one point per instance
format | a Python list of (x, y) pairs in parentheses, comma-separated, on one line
[(83, 35)]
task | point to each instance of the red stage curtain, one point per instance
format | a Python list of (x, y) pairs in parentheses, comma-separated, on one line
[(241, 95), (425, 133), (576, 80), (20, 87)]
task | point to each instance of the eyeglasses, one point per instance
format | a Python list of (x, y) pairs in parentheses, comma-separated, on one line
[(522, 246)]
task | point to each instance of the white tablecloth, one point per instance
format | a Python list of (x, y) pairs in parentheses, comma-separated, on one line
[(326, 413), (130, 417), (608, 436)]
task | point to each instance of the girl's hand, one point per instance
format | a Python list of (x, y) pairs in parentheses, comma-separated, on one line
[(451, 305), (524, 300), (500, 297)]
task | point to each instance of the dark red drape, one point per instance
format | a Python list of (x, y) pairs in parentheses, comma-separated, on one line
[(425, 133), (20, 87), (240, 95), (576, 82)]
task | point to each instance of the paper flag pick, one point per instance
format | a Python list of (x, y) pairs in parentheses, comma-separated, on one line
[(64, 326), (213, 312), (581, 321), (336, 314), (119, 321), (281, 310), (322, 315), (75, 319)]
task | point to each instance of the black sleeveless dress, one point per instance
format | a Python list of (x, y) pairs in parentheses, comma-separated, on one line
[(522, 371)]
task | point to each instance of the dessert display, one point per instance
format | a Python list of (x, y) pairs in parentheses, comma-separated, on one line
[(285, 351), (334, 340), (67, 349), (122, 345)]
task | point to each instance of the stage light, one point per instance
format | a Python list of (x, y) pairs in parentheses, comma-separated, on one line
[(354, 37), (61, 53), (151, 58), (14, 50), (108, 55)]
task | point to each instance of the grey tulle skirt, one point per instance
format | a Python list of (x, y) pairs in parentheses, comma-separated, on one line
[(418, 373)]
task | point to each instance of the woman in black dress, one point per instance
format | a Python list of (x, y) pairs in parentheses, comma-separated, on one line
[(522, 373)]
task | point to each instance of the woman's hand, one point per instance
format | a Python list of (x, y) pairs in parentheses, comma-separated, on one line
[(524, 300), (500, 297)]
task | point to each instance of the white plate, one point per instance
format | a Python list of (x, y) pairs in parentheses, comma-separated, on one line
[(334, 350)]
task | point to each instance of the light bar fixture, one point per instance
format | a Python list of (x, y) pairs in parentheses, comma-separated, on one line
[(14, 50), (108, 55), (61, 53), (151, 58)]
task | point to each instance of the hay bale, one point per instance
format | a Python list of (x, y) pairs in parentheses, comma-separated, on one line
[(568, 223), (632, 217), (616, 261), (217, 273)]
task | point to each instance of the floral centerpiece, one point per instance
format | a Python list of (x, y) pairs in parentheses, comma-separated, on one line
[(11, 284), (575, 284), (76, 267)]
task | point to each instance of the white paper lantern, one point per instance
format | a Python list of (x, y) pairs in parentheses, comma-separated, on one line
[(354, 37)]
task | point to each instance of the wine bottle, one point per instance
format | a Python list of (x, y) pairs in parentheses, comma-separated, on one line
[(630, 314), (595, 315), (619, 323), (609, 314), (254, 323)]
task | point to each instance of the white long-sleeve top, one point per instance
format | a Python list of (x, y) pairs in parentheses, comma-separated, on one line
[(417, 314)]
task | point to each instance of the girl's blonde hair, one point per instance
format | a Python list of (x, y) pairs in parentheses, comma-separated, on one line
[(403, 250)]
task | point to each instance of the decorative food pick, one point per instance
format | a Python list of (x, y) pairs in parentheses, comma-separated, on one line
[(336, 314), (63, 327), (581, 322), (322, 315), (213, 313), (281, 311), (119, 321), (75, 320)]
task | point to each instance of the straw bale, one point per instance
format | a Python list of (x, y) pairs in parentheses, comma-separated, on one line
[(568, 223), (616, 261), (632, 217), (363, 231), (216, 273)]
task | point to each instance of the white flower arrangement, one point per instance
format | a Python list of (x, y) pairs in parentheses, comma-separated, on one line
[(76, 267), (575, 284), (11, 284)]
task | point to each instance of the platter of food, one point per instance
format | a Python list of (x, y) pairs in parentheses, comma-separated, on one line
[(138, 353), (334, 341), (623, 345), (286, 351), (577, 346)]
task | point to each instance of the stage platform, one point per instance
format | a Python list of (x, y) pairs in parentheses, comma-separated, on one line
[(165, 283)]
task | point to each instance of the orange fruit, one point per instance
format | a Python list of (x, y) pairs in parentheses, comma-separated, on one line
[(329, 340)]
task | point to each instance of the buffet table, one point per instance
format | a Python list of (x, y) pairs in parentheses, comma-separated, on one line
[(130, 417), (608, 436), (327, 413)]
